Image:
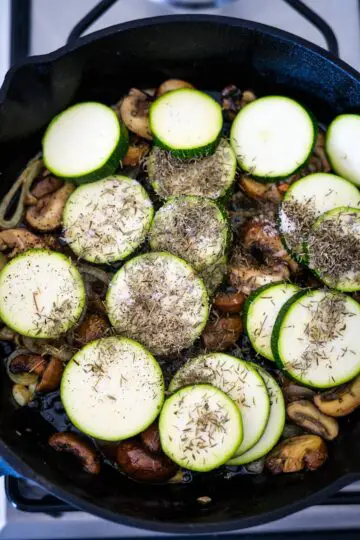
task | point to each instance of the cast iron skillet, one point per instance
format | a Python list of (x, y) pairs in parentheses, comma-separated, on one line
[(211, 52)]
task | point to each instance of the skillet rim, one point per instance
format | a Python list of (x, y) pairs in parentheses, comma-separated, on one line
[(54, 488)]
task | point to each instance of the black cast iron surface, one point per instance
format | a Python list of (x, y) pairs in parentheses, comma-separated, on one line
[(211, 52)]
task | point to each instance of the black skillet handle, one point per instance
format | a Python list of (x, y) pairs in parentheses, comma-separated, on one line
[(298, 5)]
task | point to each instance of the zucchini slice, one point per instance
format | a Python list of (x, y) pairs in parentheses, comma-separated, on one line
[(192, 228), (112, 389), (274, 427), (240, 381), (159, 300), (308, 198), (200, 427), (272, 137), (211, 176), (107, 220), (260, 312), (85, 142), (333, 249), (42, 294), (342, 147), (187, 122), (214, 275), (315, 338)]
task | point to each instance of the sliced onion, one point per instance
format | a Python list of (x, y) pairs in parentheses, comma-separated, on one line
[(20, 378)]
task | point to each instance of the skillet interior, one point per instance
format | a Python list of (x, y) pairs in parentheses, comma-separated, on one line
[(211, 53)]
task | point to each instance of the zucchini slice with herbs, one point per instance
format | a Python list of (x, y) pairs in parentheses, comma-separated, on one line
[(186, 122), (160, 301), (305, 200), (333, 249), (107, 220), (200, 427), (260, 312), (315, 338), (274, 426), (342, 147), (193, 228), (112, 389), (85, 142), (211, 176), (214, 275), (239, 380), (272, 137), (42, 294)]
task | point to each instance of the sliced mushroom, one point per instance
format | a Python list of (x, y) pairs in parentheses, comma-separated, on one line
[(151, 439), (25, 368), (138, 463), (170, 85), (51, 377), (340, 401), (21, 394), (94, 326), (258, 191), (246, 275), (223, 333), (306, 415), (23, 183), (229, 302), (134, 112), (19, 240), (262, 235), (83, 451), (136, 153), (294, 392), (230, 99), (46, 215), (6, 334), (297, 453), (45, 186), (52, 242)]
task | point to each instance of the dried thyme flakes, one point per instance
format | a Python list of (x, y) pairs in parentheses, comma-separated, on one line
[(160, 302), (192, 228), (207, 177), (296, 220), (327, 323), (334, 248)]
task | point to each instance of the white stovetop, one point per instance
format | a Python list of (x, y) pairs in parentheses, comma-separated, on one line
[(52, 22)]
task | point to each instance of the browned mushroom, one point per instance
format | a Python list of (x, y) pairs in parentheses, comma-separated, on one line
[(6, 334), (340, 401), (46, 185), (229, 302), (134, 112), (294, 392), (151, 439), (51, 377), (222, 333), (232, 100), (94, 326), (19, 240), (46, 215), (258, 191), (83, 451), (170, 85), (297, 453), (306, 415), (246, 274), (138, 463), (263, 236), (137, 150)]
